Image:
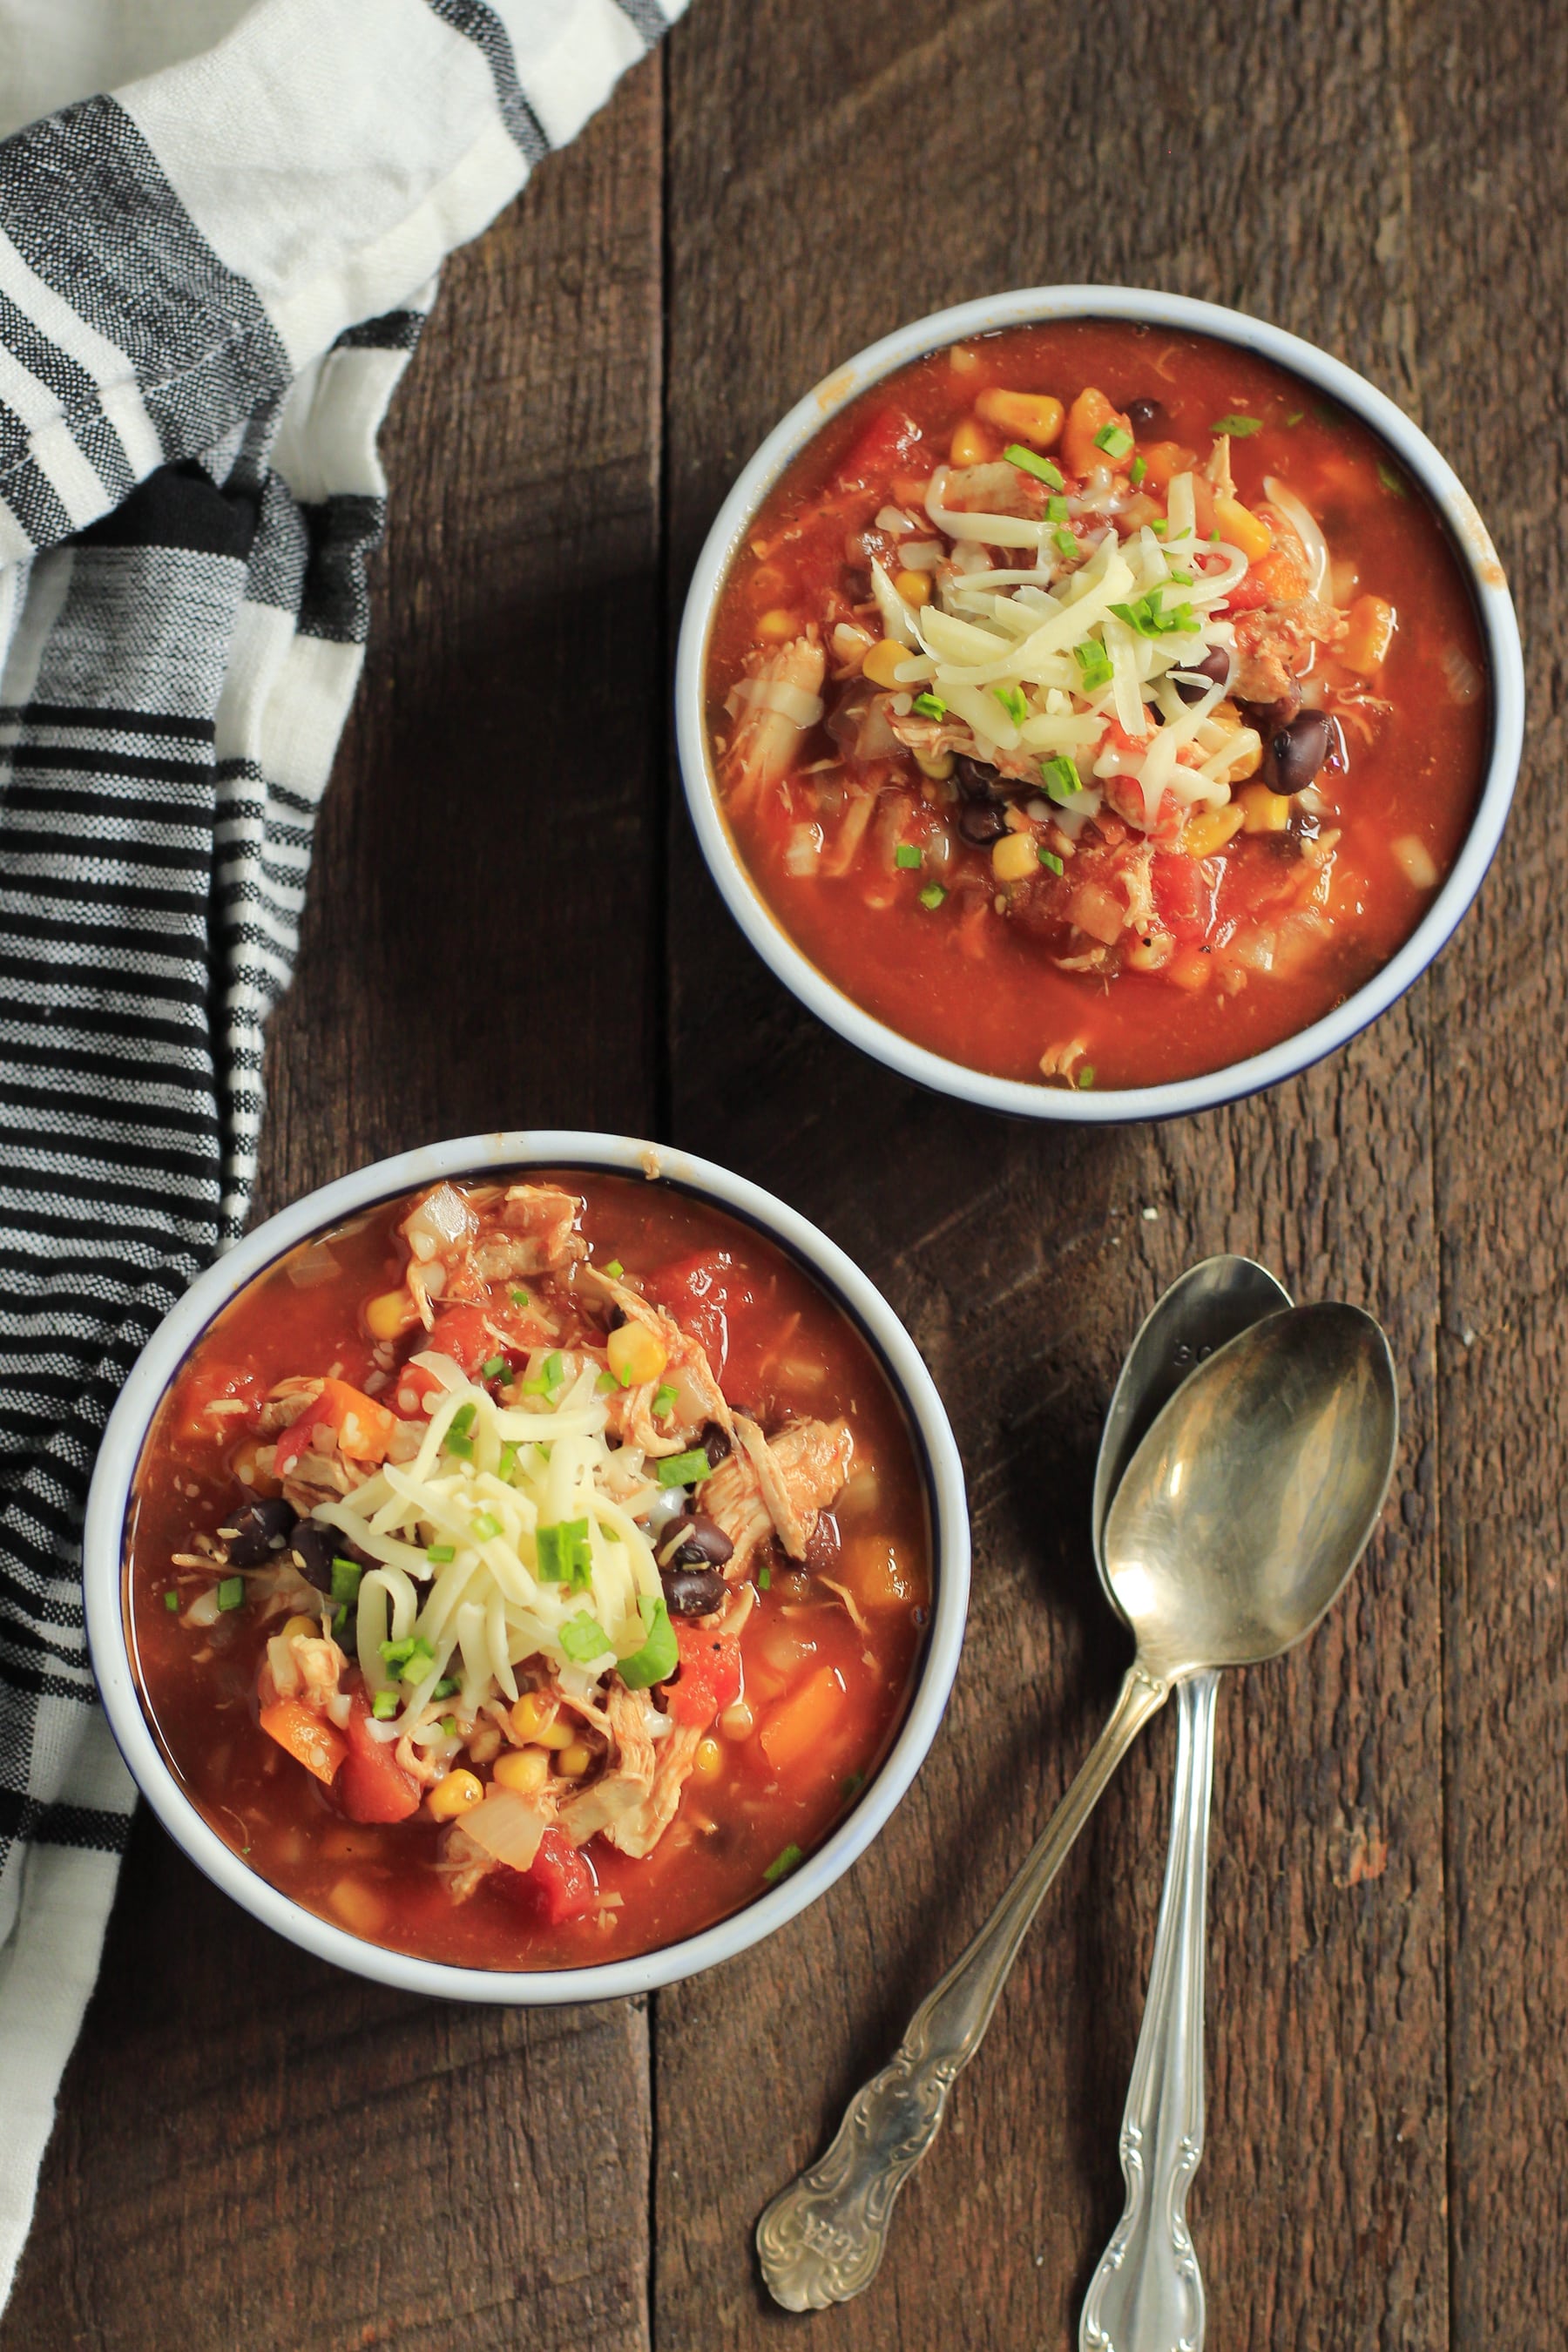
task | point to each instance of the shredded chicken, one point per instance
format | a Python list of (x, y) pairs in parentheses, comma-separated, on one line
[(766, 742), (776, 1487)]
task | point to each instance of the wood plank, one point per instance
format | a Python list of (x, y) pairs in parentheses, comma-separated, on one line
[(1489, 186), (821, 192), (254, 2149)]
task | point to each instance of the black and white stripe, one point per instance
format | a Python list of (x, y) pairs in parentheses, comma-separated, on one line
[(189, 492)]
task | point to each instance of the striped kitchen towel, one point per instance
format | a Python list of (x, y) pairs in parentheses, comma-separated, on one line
[(210, 283)]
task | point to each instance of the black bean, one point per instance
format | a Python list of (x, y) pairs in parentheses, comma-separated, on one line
[(260, 1529), (978, 780), (1140, 413), (617, 1317), (715, 1443), (692, 1592), (1215, 665), (315, 1549), (982, 822), (1292, 757), (702, 1543)]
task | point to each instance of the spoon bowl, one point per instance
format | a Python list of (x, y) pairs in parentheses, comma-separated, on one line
[(1253, 1496)]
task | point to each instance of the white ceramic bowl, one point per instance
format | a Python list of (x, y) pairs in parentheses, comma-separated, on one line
[(478, 1156), (1500, 631)]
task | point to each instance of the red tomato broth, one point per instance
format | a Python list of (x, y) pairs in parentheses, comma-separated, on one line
[(799, 1352), (986, 996)]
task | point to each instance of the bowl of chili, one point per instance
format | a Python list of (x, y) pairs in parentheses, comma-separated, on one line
[(1096, 704), (342, 1616)]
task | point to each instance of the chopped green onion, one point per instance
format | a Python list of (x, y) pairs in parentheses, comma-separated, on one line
[(1114, 440), (1011, 698), (1238, 427), (439, 1554), (1094, 664), (615, 1269), (782, 1864), (462, 1420), (339, 1619), (231, 1592), (607, 1384), (1137, 470), (659, 1653), (1048, 857), (1391, 481), (384, 1706), (929, 706), (933, 896), (906, 855), (764, 1579), (449, 1724), (520, 1299), (1162, 527), (1065, 544), (852, 1786), (410, 1658), (489, 1371), (346, 1574), (548, 1377), (484, 1525), (507, 1459), (1295, 417), (564, 1554), (463, 1447), (171, 1600), (1147, 617), (444, 1687), (663, 1400), (1085, 1075), (1028, 463), (1057, 510), (583, 1638), (1060, 778), (397, 1654), (1183, 579), (683, 1469)]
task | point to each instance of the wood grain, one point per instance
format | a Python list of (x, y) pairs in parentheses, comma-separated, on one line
[(256, 2150)]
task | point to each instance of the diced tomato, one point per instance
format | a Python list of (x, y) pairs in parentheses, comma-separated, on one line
[(459, 1332), (306, 1736), (195, 1425), (885, 447), (710, 1676), (1248, 594), (372, 1784), (709, 1297), (359, 1428), (559, 1885), (1184, 891)]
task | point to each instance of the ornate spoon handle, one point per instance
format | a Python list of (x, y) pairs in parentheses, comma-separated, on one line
[(1147, 2294), (822, 2238)]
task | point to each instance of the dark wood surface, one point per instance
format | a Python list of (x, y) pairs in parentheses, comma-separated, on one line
[(254, 2150)]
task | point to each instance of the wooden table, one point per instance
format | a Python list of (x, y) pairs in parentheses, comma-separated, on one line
[(256, 2152)]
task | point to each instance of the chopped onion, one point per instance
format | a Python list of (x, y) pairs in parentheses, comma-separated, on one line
[(508, 1827), (791, 702), (441, 1218), (313, 1266), (1464, 679), (1306, 529), (921, 555), (898, 620), (894, 521)]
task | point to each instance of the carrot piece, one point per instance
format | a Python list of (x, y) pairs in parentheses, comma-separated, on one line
[(306, 1736), (1089, 415), (360, 1428), (803, 1721)]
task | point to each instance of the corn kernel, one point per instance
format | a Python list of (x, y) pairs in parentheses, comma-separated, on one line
[(1014, 856), (1263, 811), (460, 1792), (1369, 636), (914, 587), (971, 445), (536, 1719), (1152, 954), (1243, 529), (1202, 835), (962, 360), (778, 623), (737, 1720), (1190, 968), (937, 765), (636, 1355), (524, 1770), (310, 1626), (708, 1760), (575, 1759), (388, 1317), (882, 664), (1032, 417)]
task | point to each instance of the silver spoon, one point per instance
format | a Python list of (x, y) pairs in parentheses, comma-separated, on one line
[(1147, 2295), (1238, 1519)]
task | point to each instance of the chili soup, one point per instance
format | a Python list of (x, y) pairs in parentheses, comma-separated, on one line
[(1096, 704), (527, 1574)]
